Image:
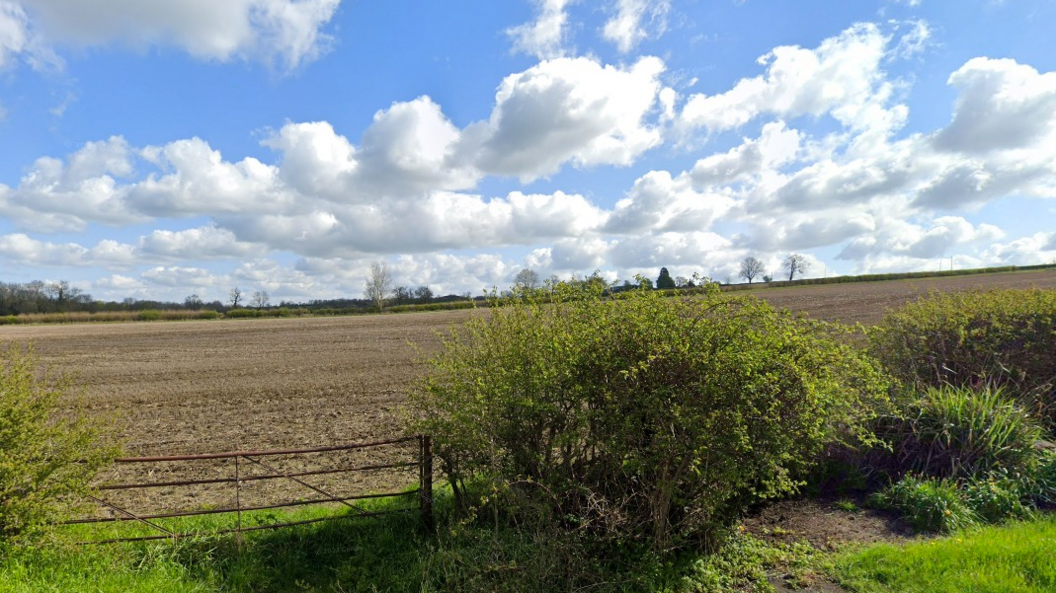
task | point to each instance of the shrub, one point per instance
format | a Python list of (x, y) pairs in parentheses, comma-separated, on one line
[(958, 432), (242, 313), (927, 504), (996, 500), (649, 417), (1001, 337), (149, 315), (45, 455)]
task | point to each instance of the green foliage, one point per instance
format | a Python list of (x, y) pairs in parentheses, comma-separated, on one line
[(959, 432), (1003, 338), (149, 315), (643, 416), (665, 281), (1016, 558), (927, 504), (996, 500), (45, 454)]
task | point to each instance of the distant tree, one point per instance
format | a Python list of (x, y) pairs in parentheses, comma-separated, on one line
[(423, 294), (768, 278), (526, 279), (795, 263), (682, 282), (379, 285), (235, 296), (260, 299), (402, 295), (665, 280), (750, 268), (193, 302)]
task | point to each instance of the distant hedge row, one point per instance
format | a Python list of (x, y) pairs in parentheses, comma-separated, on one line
[(882, 277)]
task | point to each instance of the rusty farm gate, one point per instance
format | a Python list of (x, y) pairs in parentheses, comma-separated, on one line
[(245, 468)]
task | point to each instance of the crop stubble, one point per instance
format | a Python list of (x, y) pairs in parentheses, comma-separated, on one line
[(210, 386)]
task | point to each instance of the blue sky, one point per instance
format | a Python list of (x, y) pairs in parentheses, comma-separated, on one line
[(155, 149)]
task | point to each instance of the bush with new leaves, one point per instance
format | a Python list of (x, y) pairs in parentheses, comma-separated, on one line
[(641, 416), (1003, 338), (47, 456)]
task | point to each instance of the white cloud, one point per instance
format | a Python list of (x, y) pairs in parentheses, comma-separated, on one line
[(661, 203), (26, 250), (634, 20), (286, 33), (55, 195), (196, 244), (18, 39), (1039, 248), (568, 109), (1002, 105), (915, 42), (545, 37), (180, 277), (841, 77), (197, 181)]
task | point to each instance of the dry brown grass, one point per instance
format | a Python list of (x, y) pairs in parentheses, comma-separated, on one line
[(207, 386)]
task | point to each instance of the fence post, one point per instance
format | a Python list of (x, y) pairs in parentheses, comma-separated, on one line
[(425, 481)]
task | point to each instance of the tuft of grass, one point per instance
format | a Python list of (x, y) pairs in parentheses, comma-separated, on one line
[(927, 504), (958, 432), (1016, 558)]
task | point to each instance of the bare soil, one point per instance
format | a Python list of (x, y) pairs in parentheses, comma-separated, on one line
[(209, 386)]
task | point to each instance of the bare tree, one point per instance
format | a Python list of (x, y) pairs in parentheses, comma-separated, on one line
[(378, 285), (795, 263), (526, 279), (260, 299), (236, 297), (750, 268)]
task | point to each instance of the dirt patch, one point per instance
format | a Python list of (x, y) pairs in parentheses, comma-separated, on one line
[(826, 524)]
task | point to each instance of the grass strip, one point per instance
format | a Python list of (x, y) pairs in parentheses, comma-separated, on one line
[(1015, 558)]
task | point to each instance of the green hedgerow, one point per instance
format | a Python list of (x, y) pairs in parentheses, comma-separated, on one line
[(47, 456), (1005, 338), (649, 417)]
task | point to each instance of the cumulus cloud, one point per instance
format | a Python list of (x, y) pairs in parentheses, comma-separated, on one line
[(286, 33), (840, 76), (568, 109), (659, 202), (1002, 105), (634, 21), (26, 250), (545, 37)]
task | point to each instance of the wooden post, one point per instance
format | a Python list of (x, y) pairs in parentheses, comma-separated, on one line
[(425, 481)]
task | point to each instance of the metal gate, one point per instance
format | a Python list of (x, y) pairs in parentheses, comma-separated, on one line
[(258, 460)]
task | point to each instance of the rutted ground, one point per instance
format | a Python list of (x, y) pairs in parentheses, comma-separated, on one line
[(208, 386)]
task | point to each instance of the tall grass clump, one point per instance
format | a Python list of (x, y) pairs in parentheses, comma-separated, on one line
[(1002, 338), (48, 455), (958, 432), (642, 418)]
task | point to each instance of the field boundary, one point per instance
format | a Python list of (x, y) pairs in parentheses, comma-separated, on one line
[(424, 491)]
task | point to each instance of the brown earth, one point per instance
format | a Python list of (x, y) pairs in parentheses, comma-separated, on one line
[(208, 386)]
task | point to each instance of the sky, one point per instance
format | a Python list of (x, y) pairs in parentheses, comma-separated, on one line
[(153, 149)]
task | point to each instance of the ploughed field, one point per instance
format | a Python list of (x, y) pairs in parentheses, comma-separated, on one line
[(210, 386)]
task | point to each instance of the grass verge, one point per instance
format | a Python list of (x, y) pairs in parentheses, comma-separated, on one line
[(1015, 558)]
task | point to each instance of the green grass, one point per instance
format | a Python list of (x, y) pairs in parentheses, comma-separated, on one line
[(1016, 558)]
